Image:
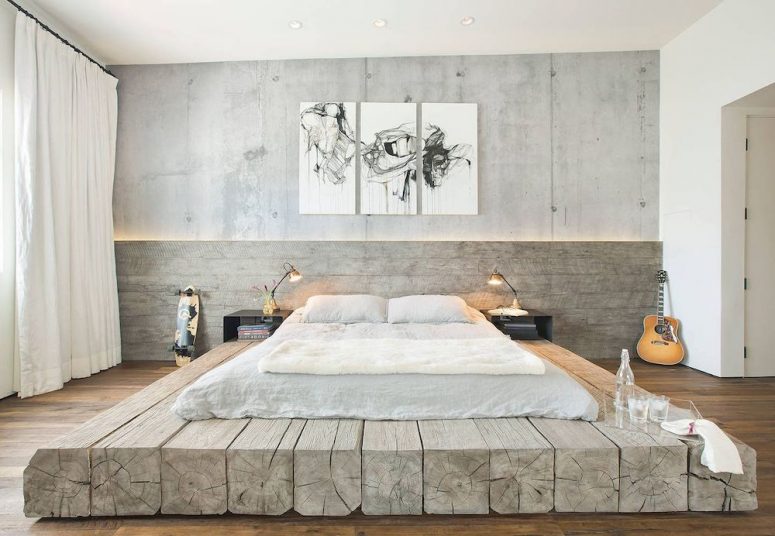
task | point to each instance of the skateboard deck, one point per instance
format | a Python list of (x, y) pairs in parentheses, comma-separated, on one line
[(187, 322)]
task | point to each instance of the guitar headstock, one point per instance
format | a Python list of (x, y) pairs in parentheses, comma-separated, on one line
[(661, 277)]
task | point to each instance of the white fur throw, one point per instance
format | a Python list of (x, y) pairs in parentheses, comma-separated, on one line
[(497, 355)]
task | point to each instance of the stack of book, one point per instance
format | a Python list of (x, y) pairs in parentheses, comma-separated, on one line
[(521, 330), (255, 332)]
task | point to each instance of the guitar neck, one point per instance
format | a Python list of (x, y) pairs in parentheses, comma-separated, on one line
[(661, 305)]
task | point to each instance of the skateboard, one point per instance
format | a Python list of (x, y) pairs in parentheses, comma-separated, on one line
[(187, 322)]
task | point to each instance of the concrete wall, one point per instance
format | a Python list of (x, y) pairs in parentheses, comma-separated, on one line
[(568, 146), (724, 56), (598, 292)]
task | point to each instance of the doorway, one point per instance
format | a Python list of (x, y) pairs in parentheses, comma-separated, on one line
[(760, 247)]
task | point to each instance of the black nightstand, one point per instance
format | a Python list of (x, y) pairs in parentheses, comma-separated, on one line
[(250, 316), (536, 325)]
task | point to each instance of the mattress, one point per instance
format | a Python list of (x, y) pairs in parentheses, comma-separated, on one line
[(237, 389)]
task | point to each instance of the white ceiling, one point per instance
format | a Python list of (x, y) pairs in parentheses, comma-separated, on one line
[(177, 31)]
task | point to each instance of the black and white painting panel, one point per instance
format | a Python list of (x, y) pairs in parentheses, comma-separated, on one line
[(327, 148), (388, 158), (449, 159)]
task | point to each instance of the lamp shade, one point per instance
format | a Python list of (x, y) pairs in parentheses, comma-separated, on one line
[(294, 276), (495, 279)]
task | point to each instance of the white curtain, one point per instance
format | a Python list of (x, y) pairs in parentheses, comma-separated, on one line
[(66, 296)]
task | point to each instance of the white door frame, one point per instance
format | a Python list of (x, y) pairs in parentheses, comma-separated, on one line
[(748, 370), (734, 128)]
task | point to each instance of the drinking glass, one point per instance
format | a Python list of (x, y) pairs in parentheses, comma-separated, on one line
[(638, 406), (658, 407)]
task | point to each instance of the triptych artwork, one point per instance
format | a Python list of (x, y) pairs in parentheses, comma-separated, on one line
[(386, 157)]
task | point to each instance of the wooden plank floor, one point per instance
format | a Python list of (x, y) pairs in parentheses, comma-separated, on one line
[(741, 406)]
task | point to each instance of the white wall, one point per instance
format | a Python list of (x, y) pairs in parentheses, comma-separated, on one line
[(7, 257), (724, 56)]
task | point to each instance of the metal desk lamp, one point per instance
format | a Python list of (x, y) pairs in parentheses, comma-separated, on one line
[(293, 276), (496, 279)]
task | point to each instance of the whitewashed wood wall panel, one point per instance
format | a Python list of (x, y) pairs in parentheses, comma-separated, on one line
[(598, 292)]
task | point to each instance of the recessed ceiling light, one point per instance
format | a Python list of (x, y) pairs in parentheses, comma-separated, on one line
[(379, 23), (467, 21), (295, 25)]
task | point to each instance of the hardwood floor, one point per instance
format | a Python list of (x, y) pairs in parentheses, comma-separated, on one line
[(744, 407)]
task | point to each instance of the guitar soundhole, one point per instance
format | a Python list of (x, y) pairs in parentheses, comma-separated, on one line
[(659, 328)]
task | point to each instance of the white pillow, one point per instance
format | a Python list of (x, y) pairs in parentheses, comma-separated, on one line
[(350, 309), (427, 310)]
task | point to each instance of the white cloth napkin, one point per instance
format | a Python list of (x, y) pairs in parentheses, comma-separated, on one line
[(719, 453)]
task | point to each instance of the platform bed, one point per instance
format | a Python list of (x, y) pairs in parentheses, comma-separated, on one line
[(139, 458)]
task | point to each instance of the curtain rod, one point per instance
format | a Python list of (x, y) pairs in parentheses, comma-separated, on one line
[(65, 41)]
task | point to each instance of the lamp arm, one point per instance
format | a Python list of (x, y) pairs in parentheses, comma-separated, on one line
[(280, 281), (509, 284), (288, 269)]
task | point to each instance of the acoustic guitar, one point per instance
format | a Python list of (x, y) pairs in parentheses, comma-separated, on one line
[(659, 343)]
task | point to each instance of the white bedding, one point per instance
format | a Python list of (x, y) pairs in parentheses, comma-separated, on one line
[(494, 355), (237, 389)]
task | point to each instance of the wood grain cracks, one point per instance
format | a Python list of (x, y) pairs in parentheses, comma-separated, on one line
[(327, 467), (653, 470), (456, 470), (392, 468), (713, 492), (193, 467), (260, 467), (56, 484), (521, 466)]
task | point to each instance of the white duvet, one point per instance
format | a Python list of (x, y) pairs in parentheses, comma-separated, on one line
[(495, 355), (238, 388)]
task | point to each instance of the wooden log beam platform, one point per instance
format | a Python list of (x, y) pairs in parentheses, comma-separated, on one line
[(259, 466), (126, 465), (714, 492), (392, 468), (708, 491), (327, 468), (521, 466), (652, 470), (193, 467), (456, 472), (138, 458), (586, 466), (57, 479)]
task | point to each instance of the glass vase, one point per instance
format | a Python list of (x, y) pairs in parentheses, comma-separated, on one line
[(269, 305)]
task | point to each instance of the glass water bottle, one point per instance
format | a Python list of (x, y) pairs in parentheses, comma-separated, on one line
[(625, 379)]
